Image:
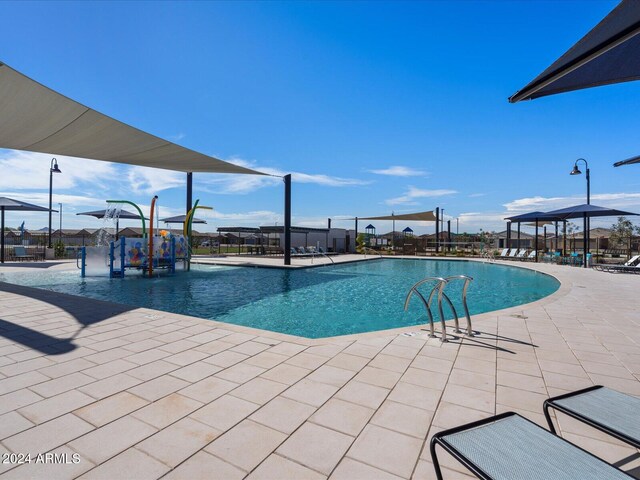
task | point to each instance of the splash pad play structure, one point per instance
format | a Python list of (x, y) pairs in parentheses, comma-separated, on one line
[(149, 254)]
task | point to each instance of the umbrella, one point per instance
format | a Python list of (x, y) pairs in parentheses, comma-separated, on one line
[(587, 211), (181, 219), (609, 53), (14, 205), (124, 214)]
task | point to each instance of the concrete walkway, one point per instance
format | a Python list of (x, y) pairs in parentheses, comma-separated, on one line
[(137, 393)]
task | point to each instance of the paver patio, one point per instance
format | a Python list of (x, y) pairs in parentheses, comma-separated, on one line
[(139, 393)]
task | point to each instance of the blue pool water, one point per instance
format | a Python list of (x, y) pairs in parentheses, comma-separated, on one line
[(314, 303)]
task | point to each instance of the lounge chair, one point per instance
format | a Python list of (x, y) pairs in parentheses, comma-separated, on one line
[(20, 253), (521, 255), (531, 256), (609, 411), (504, 252), (512, 253), (632, 262), (508, 446)]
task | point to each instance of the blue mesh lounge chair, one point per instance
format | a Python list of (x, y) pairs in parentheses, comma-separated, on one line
[(509, 447), (609, 411)]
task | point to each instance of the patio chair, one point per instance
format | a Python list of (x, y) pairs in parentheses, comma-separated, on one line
[(521, 254), (508, 446), (611, 412), (504, 252), (20, 253), (512, 253), (632, 262), (531, 256)]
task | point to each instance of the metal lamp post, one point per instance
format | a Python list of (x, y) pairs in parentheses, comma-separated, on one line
[(576, 171), (585, 234), (60, 229), (52, 169)]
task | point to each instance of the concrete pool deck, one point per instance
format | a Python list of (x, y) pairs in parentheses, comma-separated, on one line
[(138, 393)]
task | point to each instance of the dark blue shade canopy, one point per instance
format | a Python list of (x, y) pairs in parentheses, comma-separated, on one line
[(11, 204), (628, 161), (181, 219), (532, 217), (579, 211), (609, 53), (124, 215), (369, 227), (408, 230)]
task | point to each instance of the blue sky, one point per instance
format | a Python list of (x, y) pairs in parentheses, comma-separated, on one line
[(375, 107)]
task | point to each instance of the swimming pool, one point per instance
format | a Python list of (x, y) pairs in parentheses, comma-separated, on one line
[(312, 302)]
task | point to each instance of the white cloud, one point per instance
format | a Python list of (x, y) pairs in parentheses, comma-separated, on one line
[(476, 195), (409, 198), (242, 184), (177, 137), (28, 170), (399, 171), (150, 181), (618, 200)]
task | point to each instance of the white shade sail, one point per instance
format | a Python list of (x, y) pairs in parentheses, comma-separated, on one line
[(35, 118), (416, 217)]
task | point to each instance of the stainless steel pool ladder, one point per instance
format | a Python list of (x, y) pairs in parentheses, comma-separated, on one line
[(364, 249), (313, 255), (441, 283)]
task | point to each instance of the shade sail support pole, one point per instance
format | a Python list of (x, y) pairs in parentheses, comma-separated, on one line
[(437, 229), (189, 191), (2, 236), (287, 219)]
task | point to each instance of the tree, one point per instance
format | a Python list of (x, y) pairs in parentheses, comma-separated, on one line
[(572, 229), (621, 233), (360, 242)]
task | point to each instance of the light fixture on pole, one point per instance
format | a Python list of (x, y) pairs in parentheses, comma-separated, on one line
[(587, 227), (576, 171), (60, 230), (52, 169)]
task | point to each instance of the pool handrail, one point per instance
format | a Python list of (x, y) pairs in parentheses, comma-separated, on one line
[(439, 287)]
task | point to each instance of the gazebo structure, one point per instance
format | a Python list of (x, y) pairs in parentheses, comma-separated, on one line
[(407, 232), (370, 230)]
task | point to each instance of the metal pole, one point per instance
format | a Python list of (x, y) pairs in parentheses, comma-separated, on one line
[(508, 235), (60, 222), (518, 247), (2, 237), (442, 222), (287, 219), (584, 239), (393, 233), (536, 242), (564, 237), (457, 226), (50, 203), (544, 231), (437, 229), (189, 191), (449, 235), (556, 237)]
